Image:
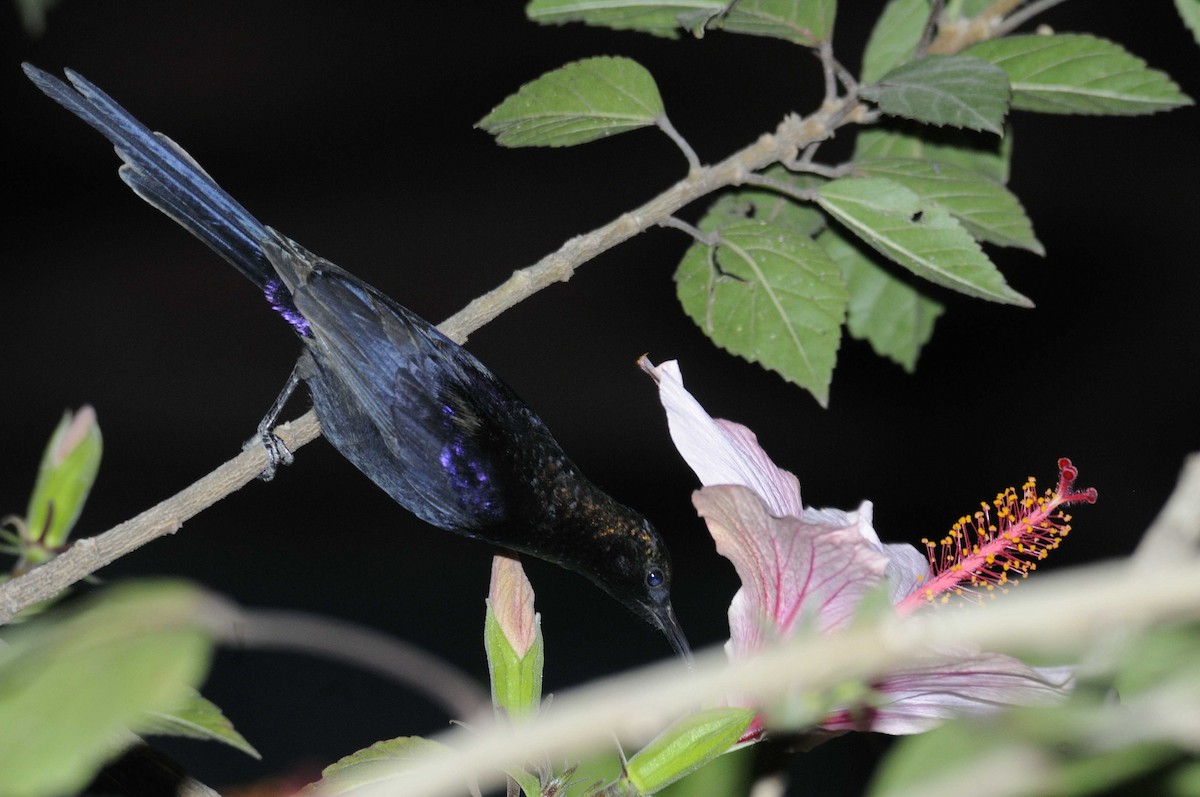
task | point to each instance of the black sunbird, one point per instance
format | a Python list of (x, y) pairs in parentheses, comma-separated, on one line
[(410, 408)]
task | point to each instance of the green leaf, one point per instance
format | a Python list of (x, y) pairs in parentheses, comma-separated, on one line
[(648, 16), (1189, 11), (921, 236), (379, 761), (956, 90), (516, 680), (765, 206), (197, 718), (771, 296), (76, 684), (68, 470), (988, 210), (806, 22), (1076, 73), (969, 9), (973, 151), (582, 101), (894, 38), (891, 315), (686, 746)]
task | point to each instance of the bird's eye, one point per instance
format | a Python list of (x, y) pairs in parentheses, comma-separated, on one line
[(655, 577)]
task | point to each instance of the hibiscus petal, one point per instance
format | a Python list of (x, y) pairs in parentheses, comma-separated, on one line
[(907, 571), (790, 569), (719, 451), (914, 701), (908, 568)]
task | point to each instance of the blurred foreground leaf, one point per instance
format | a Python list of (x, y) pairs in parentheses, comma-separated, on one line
[(73, 685), (198, 718)]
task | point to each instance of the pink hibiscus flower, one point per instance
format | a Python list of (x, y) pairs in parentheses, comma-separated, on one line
[(815, 566)]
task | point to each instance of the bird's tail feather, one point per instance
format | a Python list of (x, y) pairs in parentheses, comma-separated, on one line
[(160, 172)]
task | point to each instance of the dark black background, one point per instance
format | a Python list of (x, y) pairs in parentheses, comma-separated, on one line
[(348, 126)]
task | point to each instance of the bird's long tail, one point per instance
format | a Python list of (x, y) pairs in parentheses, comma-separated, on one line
[(160, 172)]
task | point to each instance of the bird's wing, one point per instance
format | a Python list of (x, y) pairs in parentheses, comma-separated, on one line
[(406, 414)]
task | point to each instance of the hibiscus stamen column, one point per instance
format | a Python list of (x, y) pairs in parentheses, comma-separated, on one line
[(981, 553)]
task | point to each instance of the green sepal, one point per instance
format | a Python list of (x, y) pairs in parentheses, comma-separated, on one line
[(516, 680), (686, 746), (65, 478)]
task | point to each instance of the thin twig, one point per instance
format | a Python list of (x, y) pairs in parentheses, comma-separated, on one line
[(90, 554), (782, 187), (273, 629), (792, 134), (1019, 18), (808, 166), (955, 35), (809, 153), (1175, 533), (849, 82)]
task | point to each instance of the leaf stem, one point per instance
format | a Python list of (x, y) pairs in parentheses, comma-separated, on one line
[(1020, 17), (829, 69), (782, 187), (339, 640), (675, 223), (789, 137), (664, 124)]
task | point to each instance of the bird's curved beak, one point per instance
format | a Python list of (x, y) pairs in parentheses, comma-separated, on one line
[(663, 616)]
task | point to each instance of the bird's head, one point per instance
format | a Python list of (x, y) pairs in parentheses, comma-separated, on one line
[(636, 570)]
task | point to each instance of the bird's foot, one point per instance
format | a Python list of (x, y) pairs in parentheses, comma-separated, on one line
[(277, 453)]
